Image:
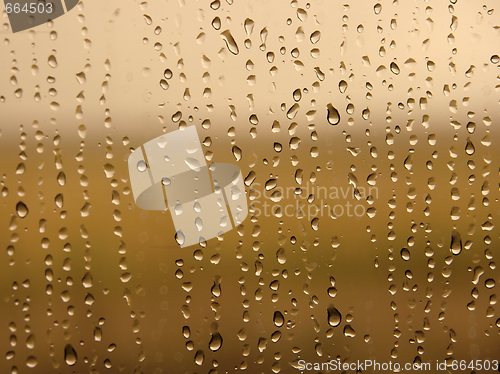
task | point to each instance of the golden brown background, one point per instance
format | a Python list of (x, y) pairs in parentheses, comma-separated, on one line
[(84, 271)]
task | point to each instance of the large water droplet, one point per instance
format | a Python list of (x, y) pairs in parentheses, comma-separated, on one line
[(70, 356), (142, 166), (278, 319), (230, 42), (215, 342), (21, 210), (334, 317), (333, 115), (180, 237)]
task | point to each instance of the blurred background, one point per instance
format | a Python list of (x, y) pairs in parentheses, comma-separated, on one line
[(391, 106)]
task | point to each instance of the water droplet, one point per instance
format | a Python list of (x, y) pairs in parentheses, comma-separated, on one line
[(87, 280), (395, 68), (292, 112), (230, 42), (249, 25), (349, 331), (216, 289), (215, 342), (333, 115), (199, 357), (405, 254), (489, 283), (142, 166), (237, 152), (31, 362), (52, 61), (315, 37), (342, 86), (469, 147), (21, 210), (456, 243), (70, 356), (180, 237), (334, 317), (278, 319), (297, 94)]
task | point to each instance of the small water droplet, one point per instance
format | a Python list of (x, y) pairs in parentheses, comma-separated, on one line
[(456, 243), (142, 166)]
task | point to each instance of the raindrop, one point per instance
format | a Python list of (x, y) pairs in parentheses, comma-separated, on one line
[(199, 357), (469, 147), (334, 317), (87, 280), (315, 37), (456, 243), (292, 112), (216, 289), (215, 342), (489, 283), (349, 331), (180, 238), (405, 254), (21, 210), (52, 61), (408, 162), (342, 86), (333, 115), (395, 68), (164, 84), (278, 319), (31, 362), (297, 94), (168, 74), (70, 356), (142, 166), (237, 152), (230, 42), (249, 25)]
